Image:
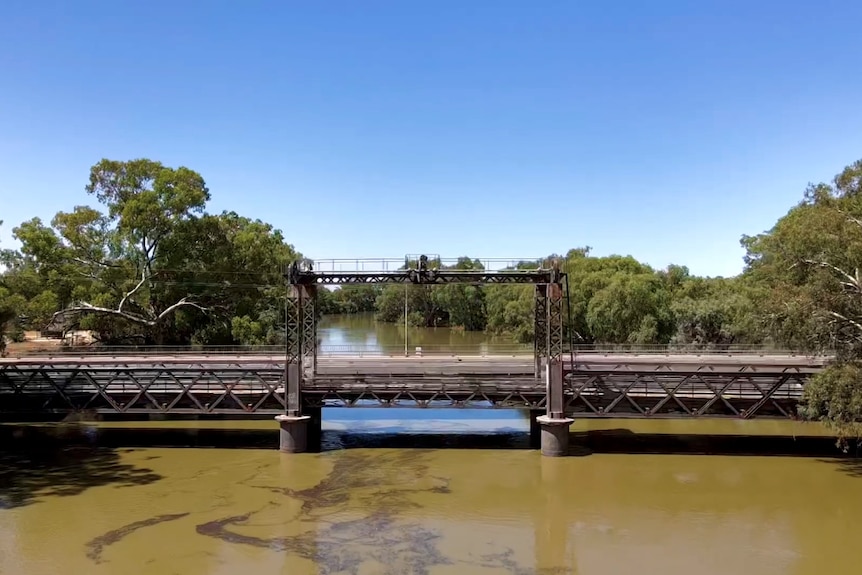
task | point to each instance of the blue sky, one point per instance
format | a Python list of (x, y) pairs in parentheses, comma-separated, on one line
[(661, 129)]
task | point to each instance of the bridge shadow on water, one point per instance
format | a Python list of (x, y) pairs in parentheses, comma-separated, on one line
[(46, 460), (16, 440), (626, 441), (36, 466)]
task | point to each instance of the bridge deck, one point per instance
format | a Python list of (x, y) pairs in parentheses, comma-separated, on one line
[(596, 384), (414, 363)]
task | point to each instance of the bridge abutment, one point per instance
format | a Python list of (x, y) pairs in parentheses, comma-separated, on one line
[(554, 435)]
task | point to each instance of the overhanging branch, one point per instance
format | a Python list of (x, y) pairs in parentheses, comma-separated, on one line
[(99, 263), (182, 303), (133, 291), (852, 281), (84, 308), (850, 218), (846, 319)]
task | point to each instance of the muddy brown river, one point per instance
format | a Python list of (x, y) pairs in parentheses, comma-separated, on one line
[(639, 497)]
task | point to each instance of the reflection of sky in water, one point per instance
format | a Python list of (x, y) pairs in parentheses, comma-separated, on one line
[(336, 335), (425, 420)]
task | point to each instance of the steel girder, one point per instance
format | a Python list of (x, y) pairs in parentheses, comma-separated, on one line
[(420, 273), (427, 277)]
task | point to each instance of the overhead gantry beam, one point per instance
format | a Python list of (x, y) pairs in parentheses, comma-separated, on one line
[(422, 273)]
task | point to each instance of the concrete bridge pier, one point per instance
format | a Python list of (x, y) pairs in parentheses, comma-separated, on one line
[(554, 435), (300, 433), (293, 433)]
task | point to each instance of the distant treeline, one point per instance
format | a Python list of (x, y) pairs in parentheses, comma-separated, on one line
[(613, 299)]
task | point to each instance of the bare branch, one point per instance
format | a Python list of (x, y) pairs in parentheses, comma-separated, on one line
[(89, 308), (85, 307), (844, 318), (134, 289), (851, 280), (850, 218), (182, 303), (88, 275), (96, 263)]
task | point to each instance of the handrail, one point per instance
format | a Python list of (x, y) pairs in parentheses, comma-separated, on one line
[(330, 350)]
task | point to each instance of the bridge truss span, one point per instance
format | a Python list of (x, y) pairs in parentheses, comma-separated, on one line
[(677, 386), (594, 386), (143, 386)]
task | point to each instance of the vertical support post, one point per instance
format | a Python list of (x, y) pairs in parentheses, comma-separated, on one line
[(293, 349), (293, 426), (406, 327), (554, 350), (309, 328), (554, 424), (540, 327)]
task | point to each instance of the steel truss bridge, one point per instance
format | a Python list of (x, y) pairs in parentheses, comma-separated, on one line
[(301, 377), (595, 385)]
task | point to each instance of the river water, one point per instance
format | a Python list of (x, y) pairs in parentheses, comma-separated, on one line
[(663, 497)]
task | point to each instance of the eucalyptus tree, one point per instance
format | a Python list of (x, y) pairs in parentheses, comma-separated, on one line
[(808, 264), (149, 263)]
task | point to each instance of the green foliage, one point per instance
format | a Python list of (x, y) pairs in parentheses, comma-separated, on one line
[(348, 299), (422, 307), (151, 266), (714, 312), (834, 396), (807, 268), (247, 331), (10, 309), (510, 310), (436, 306), (462, 305)]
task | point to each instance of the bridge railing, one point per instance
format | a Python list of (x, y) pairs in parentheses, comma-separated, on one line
[(385, 265), (374, 350)]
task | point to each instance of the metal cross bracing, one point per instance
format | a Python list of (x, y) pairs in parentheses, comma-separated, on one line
[(554, 352), (540, 338), (687, 389), (177, 386), (303, 281), (598, 386)]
